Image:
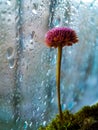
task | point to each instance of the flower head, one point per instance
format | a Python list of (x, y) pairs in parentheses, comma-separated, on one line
[(63, 36)]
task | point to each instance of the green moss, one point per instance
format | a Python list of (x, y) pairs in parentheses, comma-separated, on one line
[(82, 120)]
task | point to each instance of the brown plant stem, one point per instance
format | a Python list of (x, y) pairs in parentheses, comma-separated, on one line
[(58, 71)]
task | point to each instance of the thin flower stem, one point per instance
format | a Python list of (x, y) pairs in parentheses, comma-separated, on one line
[(58, 70)]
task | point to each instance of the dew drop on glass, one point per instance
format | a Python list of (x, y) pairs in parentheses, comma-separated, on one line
[(33, 33), (71, 105), (70, 52), (11, 63), (21, 77), (25, 125), (42, 83), (39, 98), (63, 106), (48, 73), (9, 53), (46, 96), (31, 41), (30, 125), (52, 100), (42, 115), (34, 8), (8, 2), (44, 123), (53, 61), (45, 103), (37, 109), (56, 22), (17, 119)]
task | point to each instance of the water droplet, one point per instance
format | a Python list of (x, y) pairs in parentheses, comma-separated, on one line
[(37, 124), (44, 123), (42, 114), (70, 52), (46, 96), (9, 20), (57, 22), (4, 12), (31, 41), (52, 100), (8, 2), (33, 114), (52, 94), (53, 61), (25, 125), (21, 77), (39, 98), (17, 119), (45, 103), (10, 53), (37, 109), (11, 63), (63, 106), (71, 105), (30, 125), (48, 73), (33, 33), (42, 83), (34, 8)]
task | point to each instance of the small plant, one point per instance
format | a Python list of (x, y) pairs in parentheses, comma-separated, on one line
[(58, 38), (85, 119)]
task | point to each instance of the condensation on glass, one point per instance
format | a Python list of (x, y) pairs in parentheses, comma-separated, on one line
[(27, 66)]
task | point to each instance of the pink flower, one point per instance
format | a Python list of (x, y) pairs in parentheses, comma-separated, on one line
[(62, 36)]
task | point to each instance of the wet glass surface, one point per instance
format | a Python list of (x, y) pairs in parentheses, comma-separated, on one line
[(27, 67)]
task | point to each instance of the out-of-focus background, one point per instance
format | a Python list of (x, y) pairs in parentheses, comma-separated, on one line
[(27, 67)]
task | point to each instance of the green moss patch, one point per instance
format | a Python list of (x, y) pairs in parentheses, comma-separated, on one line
[(82, 120)]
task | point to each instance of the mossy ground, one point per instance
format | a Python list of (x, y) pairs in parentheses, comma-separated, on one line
[(82, 120)]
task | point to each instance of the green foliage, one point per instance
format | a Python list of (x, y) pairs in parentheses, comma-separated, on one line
[(82, 120)]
